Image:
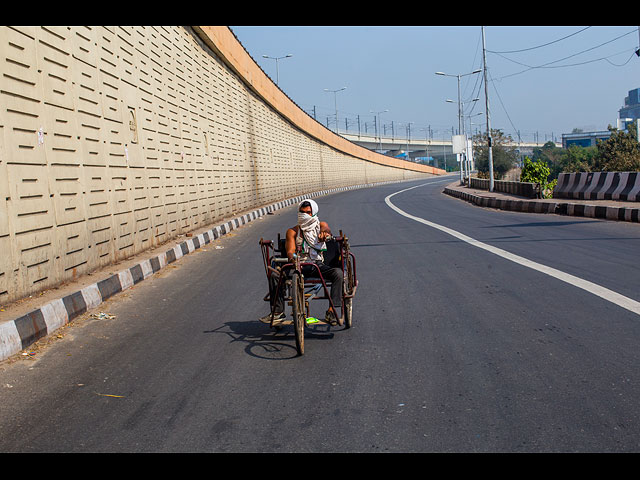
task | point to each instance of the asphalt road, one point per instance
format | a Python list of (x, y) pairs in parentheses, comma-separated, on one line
[(453, 349)]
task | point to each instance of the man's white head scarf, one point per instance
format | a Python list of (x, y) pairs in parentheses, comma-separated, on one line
[(314, 206), (310, 228)]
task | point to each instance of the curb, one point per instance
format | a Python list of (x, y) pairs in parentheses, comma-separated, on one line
[(18, 334), (625, 214)]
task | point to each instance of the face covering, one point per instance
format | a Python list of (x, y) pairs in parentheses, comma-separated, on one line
[(310, 228), (306, 221)]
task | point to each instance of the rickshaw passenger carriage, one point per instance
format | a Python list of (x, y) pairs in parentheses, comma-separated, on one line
[(299, 291)]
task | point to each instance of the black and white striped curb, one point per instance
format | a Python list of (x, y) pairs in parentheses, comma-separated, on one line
[(624, 186), (18, 334), (627, 214)]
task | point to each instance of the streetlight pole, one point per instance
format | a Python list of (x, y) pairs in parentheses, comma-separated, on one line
[(444, 152), (462, 132), (470, 166), (408, 139), (277, 69), (335, 101), (459, 112), (378, 127), (426, 142)]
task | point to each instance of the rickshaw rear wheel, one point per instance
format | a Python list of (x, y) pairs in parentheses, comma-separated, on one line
[(299, 316), (348, 312), (349, 286)]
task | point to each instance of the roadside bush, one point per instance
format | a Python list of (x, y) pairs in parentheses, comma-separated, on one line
[(538, 172)]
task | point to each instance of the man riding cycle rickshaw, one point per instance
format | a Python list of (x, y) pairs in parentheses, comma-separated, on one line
[(309, 258)]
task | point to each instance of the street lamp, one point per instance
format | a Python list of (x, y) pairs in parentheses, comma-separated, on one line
[(408, 126), (335, 101), (377, 127), (465, 160), (427, 133), (470, 123), (470, 165), (459, 106), (277, 70)]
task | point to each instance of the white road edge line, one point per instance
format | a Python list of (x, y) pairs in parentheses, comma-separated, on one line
[(590, 287)]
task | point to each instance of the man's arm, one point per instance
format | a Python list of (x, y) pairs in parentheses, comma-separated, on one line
[(290, 243), (325, 231)]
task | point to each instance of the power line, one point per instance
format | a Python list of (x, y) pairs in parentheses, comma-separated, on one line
[(501, 103), (575, 64), (635, 52), (477, 77), (546, 65), (543, 45), (597, 60)]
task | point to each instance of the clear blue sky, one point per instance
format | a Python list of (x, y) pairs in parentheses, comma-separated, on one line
[(579, 81)]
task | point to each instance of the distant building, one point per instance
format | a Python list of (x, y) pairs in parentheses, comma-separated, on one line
[(627, 114), (584, 139), (631, 108)]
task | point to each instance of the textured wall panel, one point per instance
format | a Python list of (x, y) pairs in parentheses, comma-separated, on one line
[(54, 62), (117, 139)]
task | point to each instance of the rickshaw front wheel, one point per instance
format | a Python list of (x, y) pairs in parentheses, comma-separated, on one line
[(298, 307)]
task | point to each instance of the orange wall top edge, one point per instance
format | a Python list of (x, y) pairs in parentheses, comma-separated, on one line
[(224, 43)]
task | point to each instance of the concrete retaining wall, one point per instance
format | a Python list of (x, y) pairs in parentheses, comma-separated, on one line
[(114, 140), (623, 186), (522, 189)]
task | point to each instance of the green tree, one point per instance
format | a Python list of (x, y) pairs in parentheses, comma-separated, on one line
[(504, 156), (580, 159), (620, 152)]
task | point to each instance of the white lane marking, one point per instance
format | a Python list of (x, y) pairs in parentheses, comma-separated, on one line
[(590, 287), (447, 180)]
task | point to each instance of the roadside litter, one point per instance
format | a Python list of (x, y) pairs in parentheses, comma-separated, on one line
[(102, 316)]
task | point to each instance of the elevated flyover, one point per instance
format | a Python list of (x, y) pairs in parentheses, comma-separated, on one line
[(439, 149)]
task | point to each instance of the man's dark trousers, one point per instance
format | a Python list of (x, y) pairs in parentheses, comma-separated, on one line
[(333, 275)]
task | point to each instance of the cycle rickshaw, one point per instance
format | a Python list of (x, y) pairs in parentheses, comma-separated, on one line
[(299, 291)]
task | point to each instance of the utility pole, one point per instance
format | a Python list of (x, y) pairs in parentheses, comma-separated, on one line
[(486, 95), (375, 125), (460, 155), (335, 102), (408, 139), (378, 127)]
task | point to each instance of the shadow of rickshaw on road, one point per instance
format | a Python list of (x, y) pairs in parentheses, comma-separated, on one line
[(267, 343)]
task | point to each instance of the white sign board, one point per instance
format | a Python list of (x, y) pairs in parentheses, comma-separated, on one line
[(459, 143)]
